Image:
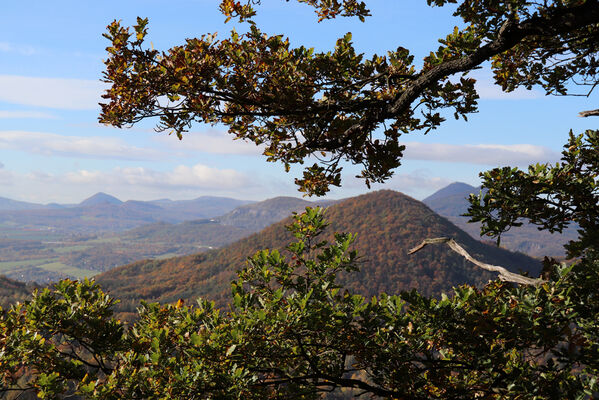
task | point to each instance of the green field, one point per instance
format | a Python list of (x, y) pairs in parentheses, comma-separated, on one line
[(16, 265), (42, 236), (104, 240), (68, 249), (49, 264), (67, 269)]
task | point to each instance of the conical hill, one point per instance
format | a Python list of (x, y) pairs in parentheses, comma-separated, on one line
[(387, 225)]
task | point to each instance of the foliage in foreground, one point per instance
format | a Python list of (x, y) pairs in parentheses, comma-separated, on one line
[(301, 104), (292, 332)]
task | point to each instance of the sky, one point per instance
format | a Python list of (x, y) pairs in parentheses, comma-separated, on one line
[(52, 148)]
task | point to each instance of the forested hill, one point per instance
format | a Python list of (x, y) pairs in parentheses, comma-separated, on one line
[(257, 216), (387, 224)]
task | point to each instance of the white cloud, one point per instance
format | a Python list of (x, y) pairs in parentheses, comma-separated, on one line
[(7, 47), (139, 183), (69, 94), (204, 176), (417, 183), (52, 144), (6, 178), (211, 141), (26, 115), (198, 177), (488, 90), (482, 154)]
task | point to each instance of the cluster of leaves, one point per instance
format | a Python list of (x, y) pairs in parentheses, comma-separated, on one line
[(299, 103), (550, 196), (325, 9), (57, 338), (293, 332)]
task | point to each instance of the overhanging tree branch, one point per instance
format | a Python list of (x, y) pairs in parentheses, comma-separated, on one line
[(511, 33), (300, 104)]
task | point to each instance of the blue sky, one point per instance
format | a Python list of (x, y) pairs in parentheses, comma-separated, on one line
[(52, 148)]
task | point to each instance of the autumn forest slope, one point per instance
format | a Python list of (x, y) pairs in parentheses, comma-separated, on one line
[(387, 225)]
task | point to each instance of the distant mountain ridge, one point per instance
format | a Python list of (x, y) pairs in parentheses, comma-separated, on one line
[(105, 213), (452, 201), (211, 206), (387, 224), (9, 204), (257, 216)]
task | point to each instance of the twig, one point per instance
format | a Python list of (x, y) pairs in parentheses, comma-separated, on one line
[(504, 274)]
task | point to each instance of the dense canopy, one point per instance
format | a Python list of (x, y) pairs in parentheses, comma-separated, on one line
[(341, 105)]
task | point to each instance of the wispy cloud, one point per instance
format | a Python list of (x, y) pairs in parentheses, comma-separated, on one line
[(26, 115), (24, 50), (488, 90), (6, 178), (481, 154), (193, 177), (139, 183), (52, 144), (417, 183), (211, 141), (58, 93)]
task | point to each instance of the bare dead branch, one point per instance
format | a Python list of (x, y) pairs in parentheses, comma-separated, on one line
[(504, 274), (589, 113)]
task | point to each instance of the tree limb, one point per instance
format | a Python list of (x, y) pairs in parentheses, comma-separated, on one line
[(504, 274), (589, 113), (510, 34)]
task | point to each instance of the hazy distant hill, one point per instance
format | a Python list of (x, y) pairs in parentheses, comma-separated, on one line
[(105, 213), (9, 204), (259, 215), (100, 198), (451, 202), (202, 207), (387, 224), (162, 239)]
